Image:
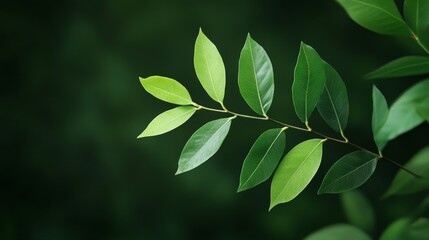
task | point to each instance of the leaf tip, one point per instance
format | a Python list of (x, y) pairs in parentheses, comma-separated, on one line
[(179, 171)]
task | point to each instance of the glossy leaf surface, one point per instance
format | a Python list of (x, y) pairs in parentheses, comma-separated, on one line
[(416, 15), (168, 121), (295, 171), (349, 172), (338, 232), (358, 210), (203, 144), (262, 159), (401, 67), (255, 77), (380, 112), (166, 89)]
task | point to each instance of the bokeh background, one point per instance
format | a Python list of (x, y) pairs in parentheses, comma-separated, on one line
[(72, 107)]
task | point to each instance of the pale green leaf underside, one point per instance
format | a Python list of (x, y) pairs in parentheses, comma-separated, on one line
[(401, 67), (358, 210), (404, 183), (351, 171), (262, 158), (168, 121), (203, 144), (167, 89), (308, 83), (209, 67), (380, 16), (380, 111), (295, 171), (338, 232), (255, 77), (333, 104)]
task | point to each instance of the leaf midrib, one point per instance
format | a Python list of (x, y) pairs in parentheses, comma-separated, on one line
[(256, 78), (380, 71), (308, 83), (167, 92), (174, 119), (381, 9), (209, 69), (333, 107)]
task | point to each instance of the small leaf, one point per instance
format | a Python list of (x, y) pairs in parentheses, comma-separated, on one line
[(401, 67), (338, 232), (333, 104), (168, 121), (308, 83), (203, 144), (295, 171), (416, 15), (166, 89), (422, 108), (380, 112), (358, 210), (404, 183), (209, 67), (380, 16), (349, 172), (262, 158), (255, 77)]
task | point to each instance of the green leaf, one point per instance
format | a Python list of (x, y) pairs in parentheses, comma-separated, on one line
[(405, 183), (308, 83), (419, 230), (422, 108), (404, 109), (166, 89), (255, 77), (338, 232), (295, 171), (380, 111), (380, 16), (168, 121), (401, 67), (358, 210), (397, 230), (262, 158), (333, 104), (203, 144), (416, 15), (349, 172), (209, 67)]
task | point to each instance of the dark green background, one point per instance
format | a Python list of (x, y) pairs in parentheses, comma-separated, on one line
[(72, 106)]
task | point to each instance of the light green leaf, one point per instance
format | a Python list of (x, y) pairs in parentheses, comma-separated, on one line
[(351, 171), (308, 83), (209, 67), (262, 158), (255, 77), (422, 108), (403, 114), (203, 144), (333, 104), (405, 183), (401, 67), (295, 171), (380, 16), (416, 15), (380, 111), (338, 232), (358, 210), (168, 121), (166, 89)]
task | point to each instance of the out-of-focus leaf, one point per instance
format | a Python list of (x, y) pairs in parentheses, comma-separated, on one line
[(406, 229), (166, 89), (380, 112), (338, 232), (401, 67), (423, 108), (358, 210)]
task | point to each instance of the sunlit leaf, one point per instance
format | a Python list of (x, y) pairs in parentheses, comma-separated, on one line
[(262, 158), (338, 232), (380, 111), (168, 121), (209, 67), (308, 83), (255, 77), (404, 66), (166, 89), (349, 172), (333, 104), (295, 171), (203, 144), (358, 210), (404, 183), (380, 16)]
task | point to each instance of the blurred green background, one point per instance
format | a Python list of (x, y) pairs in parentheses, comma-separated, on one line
[(72, 107)]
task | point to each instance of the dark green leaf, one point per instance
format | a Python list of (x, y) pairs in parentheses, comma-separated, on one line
[(262, 158), (406, 229), (166, 89), (295, 171), (308, 83), (338, 232), (423, 108), (404, 66), (168, 121), (380, 16), (255, 77), (203, 144), (380, 112), (333, 104), (416, 15), (209, 67), (349, 172), (358, 210)]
